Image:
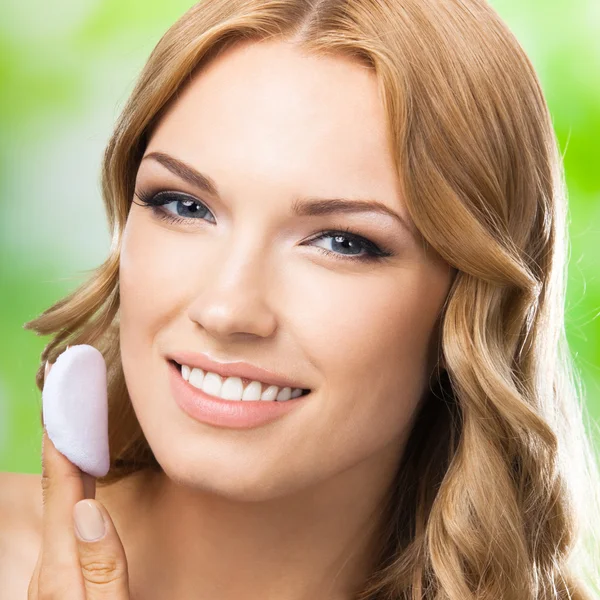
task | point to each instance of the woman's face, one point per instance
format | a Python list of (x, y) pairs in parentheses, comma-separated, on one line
[(245, 278)]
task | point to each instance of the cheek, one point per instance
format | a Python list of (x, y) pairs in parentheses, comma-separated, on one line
[(365, 331), (150, 283), (368, 337), (152, 272)]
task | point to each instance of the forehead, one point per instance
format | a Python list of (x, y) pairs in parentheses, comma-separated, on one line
[(312, 123)]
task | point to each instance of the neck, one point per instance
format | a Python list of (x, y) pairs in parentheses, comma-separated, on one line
[(186, 543)]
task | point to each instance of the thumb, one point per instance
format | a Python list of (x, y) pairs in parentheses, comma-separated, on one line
[(101, 553)]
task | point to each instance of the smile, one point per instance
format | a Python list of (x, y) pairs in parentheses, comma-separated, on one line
[(214, 410), (236, 388)]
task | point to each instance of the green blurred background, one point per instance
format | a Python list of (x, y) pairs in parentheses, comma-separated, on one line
[(66, 69)]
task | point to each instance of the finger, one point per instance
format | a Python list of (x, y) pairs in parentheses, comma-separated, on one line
[(89, 485), (62, 488), (101, 554)]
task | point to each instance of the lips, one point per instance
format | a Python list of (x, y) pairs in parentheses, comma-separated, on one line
[(243, 370), (233, 414), (251, 390)]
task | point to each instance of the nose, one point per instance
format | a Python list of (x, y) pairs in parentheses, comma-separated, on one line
[(233, 298)]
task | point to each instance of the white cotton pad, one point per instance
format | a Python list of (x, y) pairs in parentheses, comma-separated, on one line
[(75, 408)]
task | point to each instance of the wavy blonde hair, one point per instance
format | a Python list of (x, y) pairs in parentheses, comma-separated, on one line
[(487, 501)]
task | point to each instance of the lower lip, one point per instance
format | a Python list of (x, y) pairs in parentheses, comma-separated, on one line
[(235, 414)]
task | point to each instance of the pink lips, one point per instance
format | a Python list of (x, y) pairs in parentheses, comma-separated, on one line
[(243, 370), (235, 414)]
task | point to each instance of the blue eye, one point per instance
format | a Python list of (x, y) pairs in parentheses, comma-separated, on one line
[(347, 245), (185, 206)]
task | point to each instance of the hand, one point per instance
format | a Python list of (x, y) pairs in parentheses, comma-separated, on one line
[(68, 566)]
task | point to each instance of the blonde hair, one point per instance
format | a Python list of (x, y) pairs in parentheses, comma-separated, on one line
[(486, 502)]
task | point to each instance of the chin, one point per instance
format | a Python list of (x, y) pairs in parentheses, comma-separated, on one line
[(222, 472)]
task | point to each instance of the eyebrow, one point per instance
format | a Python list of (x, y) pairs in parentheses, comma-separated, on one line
[(300, 207)]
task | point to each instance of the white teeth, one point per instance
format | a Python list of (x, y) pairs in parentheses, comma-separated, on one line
[(196, 377), (232, 389), (252, 391), (284, 394), (270, 393), (212, 384)]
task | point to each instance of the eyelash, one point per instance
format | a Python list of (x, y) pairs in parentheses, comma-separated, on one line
[(152, 201)]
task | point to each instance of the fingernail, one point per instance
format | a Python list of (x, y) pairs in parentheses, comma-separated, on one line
[(88, 521)]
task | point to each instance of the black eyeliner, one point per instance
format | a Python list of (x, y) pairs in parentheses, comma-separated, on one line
[(155, 200)]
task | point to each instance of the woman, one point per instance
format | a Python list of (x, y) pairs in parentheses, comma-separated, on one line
[(364, 204)]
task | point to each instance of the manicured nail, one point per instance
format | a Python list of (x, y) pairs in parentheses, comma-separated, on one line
[(88, 521)]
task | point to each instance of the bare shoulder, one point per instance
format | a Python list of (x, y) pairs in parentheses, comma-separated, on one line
[(20, 530)]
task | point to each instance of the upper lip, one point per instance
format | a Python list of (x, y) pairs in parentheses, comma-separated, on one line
[(240, 369)]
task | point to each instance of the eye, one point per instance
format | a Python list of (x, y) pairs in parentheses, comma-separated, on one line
[(348, 245), (174, 206), (177, 207)]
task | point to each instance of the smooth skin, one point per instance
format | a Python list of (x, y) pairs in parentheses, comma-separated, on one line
[(285, 511)]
